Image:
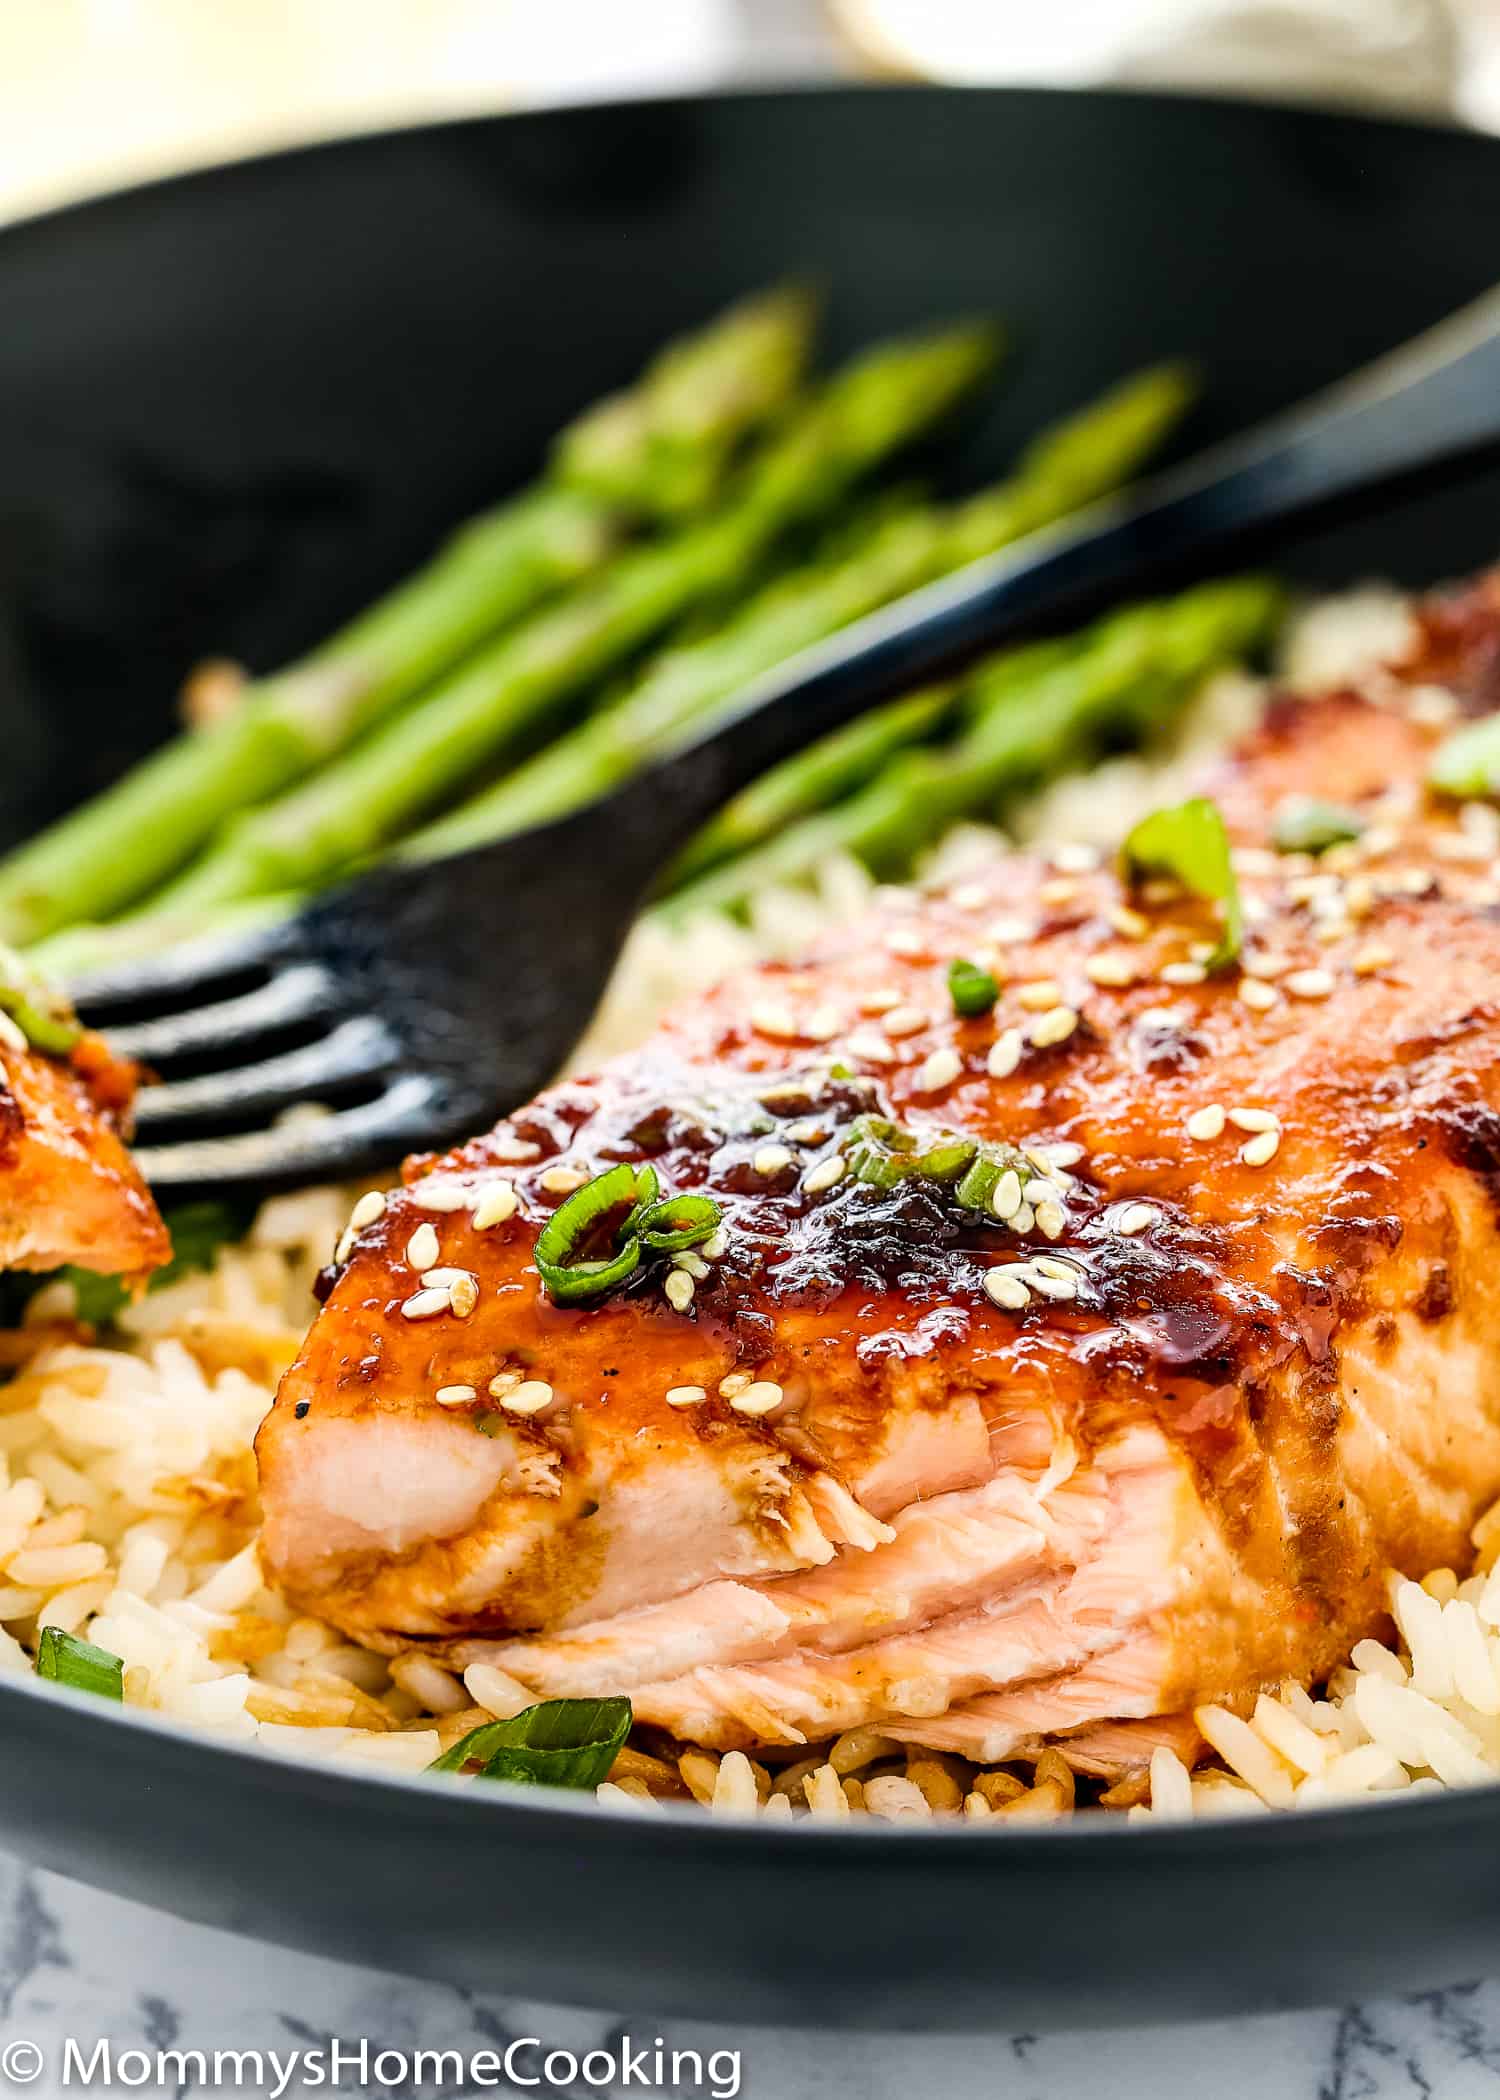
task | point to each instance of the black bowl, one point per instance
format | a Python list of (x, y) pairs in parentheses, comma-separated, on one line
[(231, 407)]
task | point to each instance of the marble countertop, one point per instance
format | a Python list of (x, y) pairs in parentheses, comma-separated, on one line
[(76, 1963)]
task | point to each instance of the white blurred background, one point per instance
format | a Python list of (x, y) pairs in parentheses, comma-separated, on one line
[(98, 92)]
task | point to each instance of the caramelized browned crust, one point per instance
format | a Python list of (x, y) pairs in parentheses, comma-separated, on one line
[(69, 1190)]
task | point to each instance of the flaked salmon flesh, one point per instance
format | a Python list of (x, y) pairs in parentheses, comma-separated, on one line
[(1239, 1372)]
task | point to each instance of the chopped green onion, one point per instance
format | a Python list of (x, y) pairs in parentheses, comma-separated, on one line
[(1189, 843), (62, 1658), (1467, 763), (972, 990), (619, 1194), (881, 1153), (38, 1008), (678, 1221), (1303, 824), (562, 1742)]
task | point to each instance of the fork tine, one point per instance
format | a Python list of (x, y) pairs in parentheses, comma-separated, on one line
[(184, 967), (318, 1148), (303, 993), (356, 1049)]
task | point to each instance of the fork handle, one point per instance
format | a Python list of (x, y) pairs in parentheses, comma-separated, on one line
[(1426, 410)]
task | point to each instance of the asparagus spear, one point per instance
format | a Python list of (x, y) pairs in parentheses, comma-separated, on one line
[(101, 858), (1081, 458), (1036, 712), (509, 691), (664, 446)]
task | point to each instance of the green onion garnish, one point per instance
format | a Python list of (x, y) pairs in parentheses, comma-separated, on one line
[(602, 1213), (38, 1008), (972, 990), (1467, 764), (64, 1659), (678, 1221), (1189, 843), (1303, 824), (881, 1153), (562, 1742)]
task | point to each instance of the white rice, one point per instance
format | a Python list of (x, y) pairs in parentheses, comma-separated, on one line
[(128, 1510)]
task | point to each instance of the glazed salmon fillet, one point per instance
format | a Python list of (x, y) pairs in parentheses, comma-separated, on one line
[(69, 1190), (1149, 1426)]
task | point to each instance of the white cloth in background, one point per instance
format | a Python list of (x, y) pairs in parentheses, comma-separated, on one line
[(1395, 54)]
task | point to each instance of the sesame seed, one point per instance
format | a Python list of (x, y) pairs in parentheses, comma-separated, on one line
[(422, 1249), (1072, 857), (1359, 896), (496, 1204), (761, 1397), (370, 1206), (1065, 1153), (530, 1397), (735, 1382), (1059, 1287), (1310, 984), (905, 1020), (968, 896), (1051, 1219), (826, 1175), (1136, 1217), (11, 1034), (1037, 996), (1133, 924), (869, 1045), (1257, 1151), (1206, 1122), (808, 1133), (1006, 1199), (345, 1247), (463, 1294), (561, 1181), (1254, 1119), (455, 1395), (1053, 1266), (1113, 970), (822, 1024), (502, 1383), (679, 1290), (1005, 1053), (513, 1149), (938, 1071), (1373, 958), (692, 1261), (1054, 1026), (424, 1305), (774, 1021), (1431, 705), (905, 940), (881, 1000), (1008, 931), (1379, 840), (1059, 889), (1006, 1289), (1023, 1219), (441, 1279), (1261, 997), (444, 1197), (771, 1159), (715, 1245), (686, 1395), (1182, 973)]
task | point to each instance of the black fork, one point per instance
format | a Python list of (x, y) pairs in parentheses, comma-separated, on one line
[(422, 1001)]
